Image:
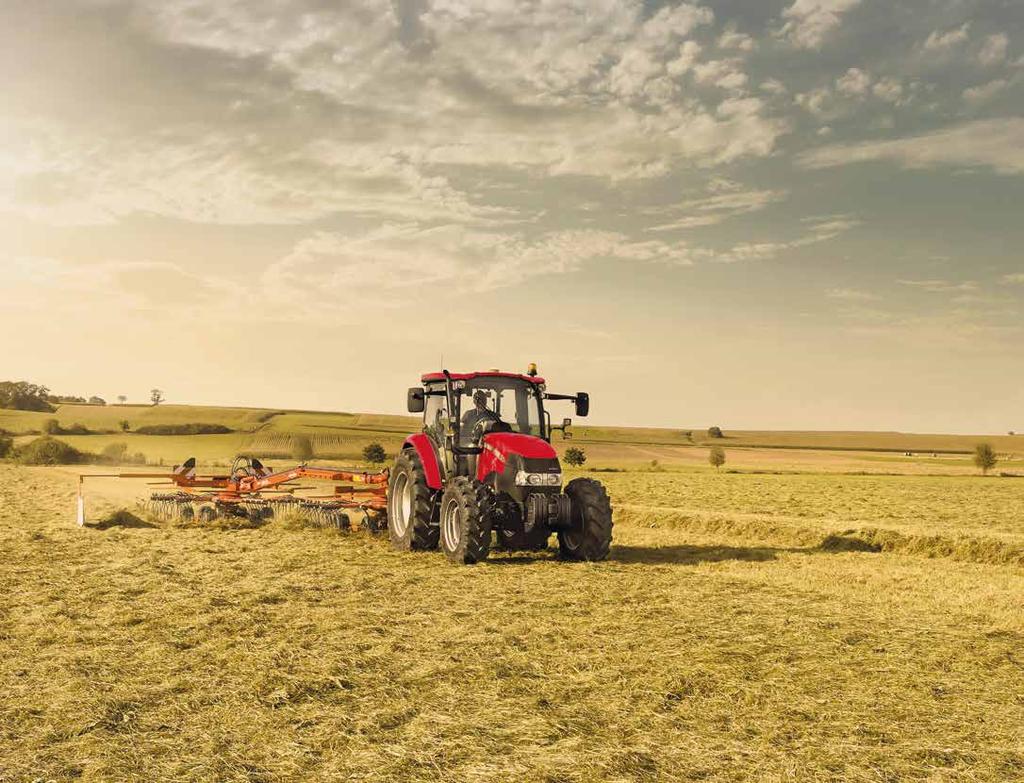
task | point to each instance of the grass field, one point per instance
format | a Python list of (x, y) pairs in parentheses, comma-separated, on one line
[(342, 436), (784, 626)]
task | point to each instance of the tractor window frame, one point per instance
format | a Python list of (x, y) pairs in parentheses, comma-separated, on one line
[(493, 383), (436, 403)]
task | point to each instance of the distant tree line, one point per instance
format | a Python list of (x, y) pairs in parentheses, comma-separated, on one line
[(25, 396)]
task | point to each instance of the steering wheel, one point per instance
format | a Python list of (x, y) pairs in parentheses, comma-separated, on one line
[(489, 422)]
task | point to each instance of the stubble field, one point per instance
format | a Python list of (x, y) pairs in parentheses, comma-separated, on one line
[(748, 626)]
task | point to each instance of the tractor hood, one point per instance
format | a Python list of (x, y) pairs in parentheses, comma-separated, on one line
[(504, 444)]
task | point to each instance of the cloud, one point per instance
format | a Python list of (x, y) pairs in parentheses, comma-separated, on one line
[(937, 40), (850, 295), (731, 39), (726, 199), (854, 82), (993, 51), (395, 264), (995, 143), (820, 229), (941, 286), (984, 93), (810, 22), (888, 89), (368, 107)]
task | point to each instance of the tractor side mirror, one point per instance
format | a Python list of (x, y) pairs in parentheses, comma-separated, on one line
[(582, 403), (415, 399)]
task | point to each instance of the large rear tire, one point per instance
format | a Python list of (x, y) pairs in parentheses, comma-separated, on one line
[(591, 535), (466, 521), (412, 505)]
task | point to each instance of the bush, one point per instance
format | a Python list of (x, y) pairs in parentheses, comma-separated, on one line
[(716, 457), (985, 457), (715, 432), (124, 425), (48, 451), (575, 457), (374, 453), (53, 427), (6, 444), (302, 448), (182, 429), (115, 452)]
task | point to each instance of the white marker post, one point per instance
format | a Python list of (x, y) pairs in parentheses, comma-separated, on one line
[(81, 502)]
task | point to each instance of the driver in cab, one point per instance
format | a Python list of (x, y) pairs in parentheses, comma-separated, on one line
[(477, 415)]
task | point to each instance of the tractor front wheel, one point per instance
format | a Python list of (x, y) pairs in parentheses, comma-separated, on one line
[(466, 521), (590, 537), (412, 516)]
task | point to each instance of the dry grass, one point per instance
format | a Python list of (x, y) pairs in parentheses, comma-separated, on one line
[(130, 652)]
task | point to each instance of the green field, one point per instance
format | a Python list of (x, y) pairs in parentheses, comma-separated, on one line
[(342, 436)]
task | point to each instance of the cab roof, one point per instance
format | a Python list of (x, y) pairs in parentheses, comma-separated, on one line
[(468, 376)]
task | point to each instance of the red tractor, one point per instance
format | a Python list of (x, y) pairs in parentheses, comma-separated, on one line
[(484, 467)]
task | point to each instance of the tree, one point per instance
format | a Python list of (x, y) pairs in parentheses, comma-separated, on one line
[(124, 425), (94, 400), (121, 399), (374, 453), (22, 396), (575, 457), (6, 444), (985, 457), (716, 457), (302, 448), (715, 432), (156, 396)]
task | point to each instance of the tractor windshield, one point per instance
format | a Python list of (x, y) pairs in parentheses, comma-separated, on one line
[(509, 400)]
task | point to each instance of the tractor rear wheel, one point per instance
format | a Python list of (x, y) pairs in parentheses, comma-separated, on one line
[(591, 535), (466, 521), (412, 512)]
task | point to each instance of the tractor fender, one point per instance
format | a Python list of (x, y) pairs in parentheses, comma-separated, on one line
[(428, 456)]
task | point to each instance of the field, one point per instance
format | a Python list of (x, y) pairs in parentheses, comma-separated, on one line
[(813, 615)]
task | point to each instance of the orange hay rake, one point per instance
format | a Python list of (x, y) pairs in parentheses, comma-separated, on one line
[(257, 492)]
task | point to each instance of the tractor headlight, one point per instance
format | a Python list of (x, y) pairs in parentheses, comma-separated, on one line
[(524, 479)]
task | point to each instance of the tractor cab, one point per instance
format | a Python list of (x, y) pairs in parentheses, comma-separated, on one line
[(484, 458)]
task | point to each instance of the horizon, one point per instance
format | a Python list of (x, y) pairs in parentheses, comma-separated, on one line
[(577, 422), (796, 215)]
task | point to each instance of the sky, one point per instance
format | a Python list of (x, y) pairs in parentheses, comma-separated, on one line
[(788, 214)]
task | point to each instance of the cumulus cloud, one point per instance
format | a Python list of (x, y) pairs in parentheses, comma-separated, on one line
[(888, 89), (854, 82), (810, 22), (993, 51), (997, 144), (984, 93), (946, 39)]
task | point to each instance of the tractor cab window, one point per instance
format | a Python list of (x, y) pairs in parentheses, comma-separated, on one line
[(508, 401), (435, 413)]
